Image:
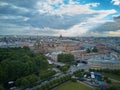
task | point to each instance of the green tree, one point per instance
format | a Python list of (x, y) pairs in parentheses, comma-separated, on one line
[(43, 87), (38, 88), (32, 78), (2, 88), (73, 79), (88, 50), (20, 62), (94, 49), (24, 82), (46, 74), (108, 81), (65, 58), (64, 68), (18, 82)]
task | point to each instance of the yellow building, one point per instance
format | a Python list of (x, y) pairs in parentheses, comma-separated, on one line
[(55, 46)]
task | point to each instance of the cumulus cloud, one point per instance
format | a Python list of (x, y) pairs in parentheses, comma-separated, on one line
[(9, 8), (116, 2), (94, 4), (8, 17), (12, 29), (111, 28), (83, 27), (50, 17), (70, 9)]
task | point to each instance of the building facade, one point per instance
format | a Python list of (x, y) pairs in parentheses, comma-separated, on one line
[(104, 62)]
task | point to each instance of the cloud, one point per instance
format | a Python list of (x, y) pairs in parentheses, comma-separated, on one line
[(58, 22), (5, 7), (8, 17), (111, 28), (29, 4), (2, 4), (71, 18), (69, 9), (114, 33), (7, 20), (50, 17), (12, 29), (104, 34), (116, 2), (94, 4), (83, 27)]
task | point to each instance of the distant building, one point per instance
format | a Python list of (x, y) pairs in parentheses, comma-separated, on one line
[(55, 46), (60, 37), (104, 62), (53, 55)]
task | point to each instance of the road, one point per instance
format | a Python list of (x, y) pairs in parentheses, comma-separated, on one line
[(72, 69), (44, 82)]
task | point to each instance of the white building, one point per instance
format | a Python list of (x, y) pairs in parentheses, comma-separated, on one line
[(53, 55)]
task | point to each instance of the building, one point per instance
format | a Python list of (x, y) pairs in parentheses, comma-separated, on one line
[(53, 55), (55, 46), (78, 54), (104, 62)]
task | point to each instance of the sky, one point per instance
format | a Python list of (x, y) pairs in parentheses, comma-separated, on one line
[(60, 17)]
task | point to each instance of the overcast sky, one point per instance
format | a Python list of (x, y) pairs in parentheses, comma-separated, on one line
[(55, 17)]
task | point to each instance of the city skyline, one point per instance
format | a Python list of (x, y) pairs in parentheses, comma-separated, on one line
[(60, 17)]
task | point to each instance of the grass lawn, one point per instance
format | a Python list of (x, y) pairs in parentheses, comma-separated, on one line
[(72, 86), (115, 84), (113, 76)]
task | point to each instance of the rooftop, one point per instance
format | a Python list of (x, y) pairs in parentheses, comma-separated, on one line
[(104, 59)]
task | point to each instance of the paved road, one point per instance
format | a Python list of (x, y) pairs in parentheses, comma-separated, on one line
[(72, 69), (42, 83)]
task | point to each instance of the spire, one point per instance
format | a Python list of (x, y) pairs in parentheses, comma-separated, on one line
[(60, 36)]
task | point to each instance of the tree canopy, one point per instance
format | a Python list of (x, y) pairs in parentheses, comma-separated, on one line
[(20, 62), (89, 50), (65, 58), (94, 49)]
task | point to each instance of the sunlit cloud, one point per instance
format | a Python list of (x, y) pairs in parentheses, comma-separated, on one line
[(116, 2), (55, 17)]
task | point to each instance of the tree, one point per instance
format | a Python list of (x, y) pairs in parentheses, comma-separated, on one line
[(106, 78), (65, 58), (20, 62), (2, 88), (43, 87), (94, 49), (73, 79), (38, 88), (32, 78), (26, 81), (88, 50), (46, 74), (108, 81), (113, 88), (64, 68), (48, 85)]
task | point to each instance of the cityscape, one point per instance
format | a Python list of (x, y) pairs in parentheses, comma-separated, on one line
[(60, 45), (86, 56)]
